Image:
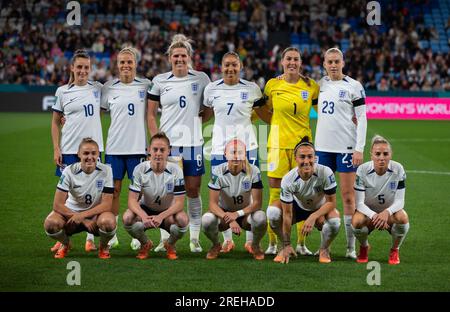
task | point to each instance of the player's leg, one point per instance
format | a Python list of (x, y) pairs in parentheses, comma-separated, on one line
[(107, 225), (253, 158), (118, 166), (347, 175), (135, 227), (131, 162), (54, 228), (257, 224), (210, 224), (399, 229), (176, 225), (360, 228), (275, 220), (330, 229)]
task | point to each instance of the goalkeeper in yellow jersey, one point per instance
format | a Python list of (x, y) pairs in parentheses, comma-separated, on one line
[(290, 99)]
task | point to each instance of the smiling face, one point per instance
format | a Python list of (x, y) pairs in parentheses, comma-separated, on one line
[(381, 155), (81, 69), (88, 154), (291, 62), (126, 64), (235, 154), (179, 59), (305, 158), (334, 64), (159, 152), (231, 67)]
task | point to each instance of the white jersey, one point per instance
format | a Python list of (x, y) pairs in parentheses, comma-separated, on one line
[(158, 190), (235, 191), (335, 131), (232, 107), (180, 100), (309, 195), (127, 134), (85, 190), (379, 190), (81, 108)]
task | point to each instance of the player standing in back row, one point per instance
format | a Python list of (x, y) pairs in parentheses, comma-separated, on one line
[(180, 94), (339, 141)]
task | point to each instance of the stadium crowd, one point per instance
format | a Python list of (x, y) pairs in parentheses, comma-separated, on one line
[(37, 43)]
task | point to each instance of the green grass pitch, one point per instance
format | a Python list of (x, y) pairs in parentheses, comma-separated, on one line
[(28, 185)]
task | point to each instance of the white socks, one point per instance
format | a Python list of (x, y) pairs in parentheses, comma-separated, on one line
[(105, 237), (164, 235), (210, 224), (176, 233), (60, 236), (362, 234), (136, 230), (349, 232), (194, 207), (329, 232), (398, 233)]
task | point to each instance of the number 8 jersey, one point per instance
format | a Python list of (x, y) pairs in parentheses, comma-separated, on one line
[(337, 104)]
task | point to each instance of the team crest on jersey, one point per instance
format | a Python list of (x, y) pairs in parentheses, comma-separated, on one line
[(96, 94), (141, 94), (246, 185), (342, 94), (99, 184), (194, 87), (305, 95), (169, 187), (244, 96), (392, 186)]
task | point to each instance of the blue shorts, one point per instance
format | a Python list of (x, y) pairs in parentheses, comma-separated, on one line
[(68, 159), (122, 163), (339, 162), (192, 159), (300, 214), (252, 157)]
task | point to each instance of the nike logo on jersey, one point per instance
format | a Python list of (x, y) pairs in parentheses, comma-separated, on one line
[(71, 100), (167, 89), (216, 97), (115, 97), (76, 186)]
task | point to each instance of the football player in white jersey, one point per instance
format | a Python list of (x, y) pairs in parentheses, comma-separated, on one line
[(156, 199), (126, 100), (340, 139), (380, 199), (231, 100), (308, 192), (83, 201), (180, 94), (235, 199), (78, 102)]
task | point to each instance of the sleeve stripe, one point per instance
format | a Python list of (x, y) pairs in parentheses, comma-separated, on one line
[(179, 188), (108, 190), (57, 110), (330, 191), (359, 102), (286, 202), (257, 185), (62, 190), (154, 97), (401, 185), (179, 193), (357, 189), (213, 188), (260, 102), (134, 190)]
